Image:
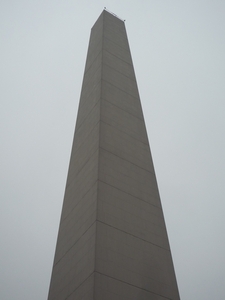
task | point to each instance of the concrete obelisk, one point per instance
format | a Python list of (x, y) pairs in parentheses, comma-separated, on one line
[(112, 241)]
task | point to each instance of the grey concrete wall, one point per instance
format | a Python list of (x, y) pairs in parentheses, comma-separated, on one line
[(74, 262), (112, 241)]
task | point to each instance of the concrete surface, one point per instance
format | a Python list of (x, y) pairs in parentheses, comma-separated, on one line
[(112, 242)]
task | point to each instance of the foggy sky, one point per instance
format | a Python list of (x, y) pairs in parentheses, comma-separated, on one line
[(178, 50)]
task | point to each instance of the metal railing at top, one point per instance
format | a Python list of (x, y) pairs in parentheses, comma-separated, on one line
[(113, 14)]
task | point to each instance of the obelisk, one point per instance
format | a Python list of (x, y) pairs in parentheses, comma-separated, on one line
[(112, 241)]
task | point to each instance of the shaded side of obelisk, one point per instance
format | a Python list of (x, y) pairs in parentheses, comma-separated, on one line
[(112, 241), (74, 262)]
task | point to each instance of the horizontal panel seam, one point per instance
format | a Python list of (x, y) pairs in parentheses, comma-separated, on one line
[(74, 243), (132, 285), (100, 180), (133, 235)]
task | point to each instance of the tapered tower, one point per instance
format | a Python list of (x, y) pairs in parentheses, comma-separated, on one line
[(112, 241)]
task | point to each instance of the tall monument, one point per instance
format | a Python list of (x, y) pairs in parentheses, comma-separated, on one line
[(112, 241)]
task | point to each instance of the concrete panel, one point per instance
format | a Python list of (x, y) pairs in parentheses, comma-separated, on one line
[(124, 121), (85, 151), (95, 55), (122, 211), (78, 186), (80, 206), (114, 24), (96, 63), (122, 200), (118, 64), (128, 177), (149, 269), (117, 50), (95, 42), (76, 176), (87, 126), (70, 239), (92, 75), (74, 269), (85, 291), (110, 288), (116, 34), (91, 79), (125, 146), (120, 80), (122, 99), (74, 224), (87, 105)]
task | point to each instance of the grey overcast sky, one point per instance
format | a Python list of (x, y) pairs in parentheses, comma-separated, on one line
[(178, 50)]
